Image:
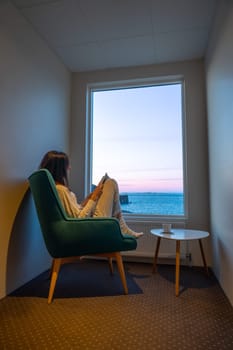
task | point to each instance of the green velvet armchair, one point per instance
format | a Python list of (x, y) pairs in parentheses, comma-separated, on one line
[(68, 239)]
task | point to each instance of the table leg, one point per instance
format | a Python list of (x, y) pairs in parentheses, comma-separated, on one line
[(156, 254), (203, 256), (177, 267)]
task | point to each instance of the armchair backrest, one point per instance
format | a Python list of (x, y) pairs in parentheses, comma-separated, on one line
[(47, 202), (45, 196)]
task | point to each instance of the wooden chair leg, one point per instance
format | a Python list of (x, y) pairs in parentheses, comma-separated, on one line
[(110, 265), (54, 274), (51, 269), (121, 271)]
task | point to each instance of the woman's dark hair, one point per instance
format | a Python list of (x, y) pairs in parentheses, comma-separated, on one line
[(57, 163)]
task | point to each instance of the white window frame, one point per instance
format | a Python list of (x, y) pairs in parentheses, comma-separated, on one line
[(135, 83)]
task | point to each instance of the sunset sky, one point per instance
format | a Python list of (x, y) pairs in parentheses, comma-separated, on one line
[(137, 138)]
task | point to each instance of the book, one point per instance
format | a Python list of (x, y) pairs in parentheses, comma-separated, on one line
[(103, 179)]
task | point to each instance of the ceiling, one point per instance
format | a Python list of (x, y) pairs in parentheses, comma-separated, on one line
[(99, 34)]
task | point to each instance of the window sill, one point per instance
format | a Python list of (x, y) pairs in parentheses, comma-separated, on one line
[(153, 219)]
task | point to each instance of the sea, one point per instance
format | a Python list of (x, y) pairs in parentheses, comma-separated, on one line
[(152, 203)]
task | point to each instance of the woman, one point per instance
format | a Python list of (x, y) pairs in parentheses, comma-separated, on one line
[(104, 201)]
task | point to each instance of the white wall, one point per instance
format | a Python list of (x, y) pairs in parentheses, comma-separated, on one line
[(219, 73), (197, 158), (34, 116)]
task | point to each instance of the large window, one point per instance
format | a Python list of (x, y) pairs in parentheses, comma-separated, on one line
[(137, 138)]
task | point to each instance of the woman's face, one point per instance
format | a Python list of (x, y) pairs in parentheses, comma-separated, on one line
[(68, 170)]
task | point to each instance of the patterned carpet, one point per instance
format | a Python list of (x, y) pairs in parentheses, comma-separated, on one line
[(89, 311)]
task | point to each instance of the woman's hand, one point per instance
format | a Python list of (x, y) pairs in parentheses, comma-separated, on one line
[(97, 192), (95, 195)]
